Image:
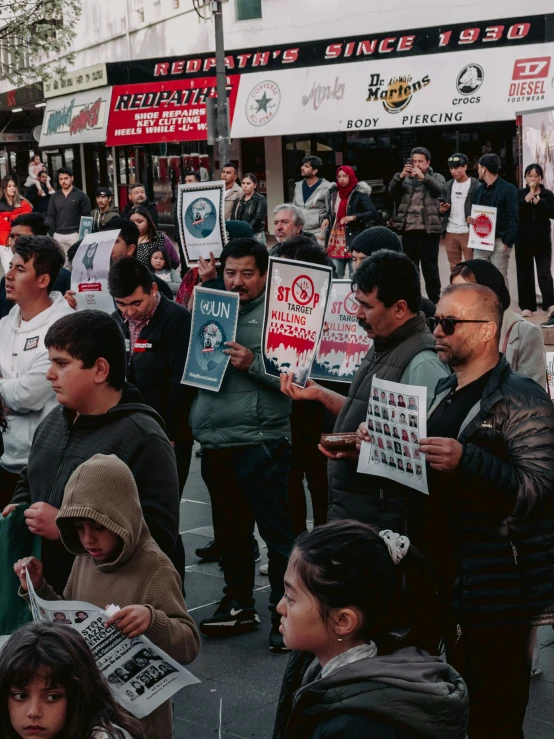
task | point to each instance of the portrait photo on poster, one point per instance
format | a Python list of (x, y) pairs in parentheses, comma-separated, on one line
[(90, 269), (393, 451), (200, 214)]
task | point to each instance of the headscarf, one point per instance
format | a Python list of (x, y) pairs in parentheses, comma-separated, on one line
[(345, 190), (490, 276)]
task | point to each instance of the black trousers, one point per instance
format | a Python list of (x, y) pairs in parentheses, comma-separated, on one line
[(423, 247), (526, 258), (8, 483), (307, 462), (183, 454)]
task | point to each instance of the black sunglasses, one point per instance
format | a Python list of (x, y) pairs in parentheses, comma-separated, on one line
[(448, 325)]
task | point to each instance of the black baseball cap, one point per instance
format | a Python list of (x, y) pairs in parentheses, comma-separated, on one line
[(104, 191), (457, 160)]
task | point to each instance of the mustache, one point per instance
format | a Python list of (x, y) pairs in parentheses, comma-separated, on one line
[(363, 324)]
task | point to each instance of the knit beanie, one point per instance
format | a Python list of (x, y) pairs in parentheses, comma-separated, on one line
[(491, 162), (490, 276), (238, 230), (373, 239)]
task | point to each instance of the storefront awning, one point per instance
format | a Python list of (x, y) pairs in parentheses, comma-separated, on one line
[(80, 118)]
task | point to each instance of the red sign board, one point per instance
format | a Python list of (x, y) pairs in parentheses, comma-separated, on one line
[(157, 112)]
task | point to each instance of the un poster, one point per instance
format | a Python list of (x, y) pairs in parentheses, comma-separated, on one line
[(214, 322), (201, 220), (89, 273), (296, 300), (344, 343)]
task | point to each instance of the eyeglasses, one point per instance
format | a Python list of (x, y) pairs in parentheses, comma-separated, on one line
[(448, 325)]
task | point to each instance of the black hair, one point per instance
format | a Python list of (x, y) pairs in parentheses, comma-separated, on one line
[(303, 249), (538, 169), (393, 274), (42, 171), (48, 257), (73, 249), (145, 213), (60, 654), (238, 248), (89, 335), (313, 161), (35, 221), (192, 172), (127, 275), (3, 417), (128, 230), (250, 176), (421, 150), (164, 254), (230, 164), (64, 170), (347, 564)]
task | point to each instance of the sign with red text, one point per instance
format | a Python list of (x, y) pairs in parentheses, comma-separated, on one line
[(76, 119), (344, 343), (154, 112), (482, 230), (295, 305)]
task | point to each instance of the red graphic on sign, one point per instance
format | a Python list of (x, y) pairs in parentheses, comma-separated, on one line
[(300, 340), (303, 289), (351, 304), (350, 345), (483, 226), (164, 111), (88, 117), (531, 69), (90, 287)]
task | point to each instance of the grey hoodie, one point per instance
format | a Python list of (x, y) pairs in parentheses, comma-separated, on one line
[(316, 208)]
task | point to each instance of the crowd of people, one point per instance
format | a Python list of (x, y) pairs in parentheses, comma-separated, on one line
[(399, 610)]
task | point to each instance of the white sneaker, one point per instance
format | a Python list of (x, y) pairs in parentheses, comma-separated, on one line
[(550, 311), (527, 313), (263, 569)]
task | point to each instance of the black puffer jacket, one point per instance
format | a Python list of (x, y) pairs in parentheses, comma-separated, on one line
[(359, 205), (502, 503), (535, 228), (251, 211)]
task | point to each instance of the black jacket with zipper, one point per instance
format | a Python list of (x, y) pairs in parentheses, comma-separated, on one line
[(501, 503), (157, 364), (359, 205), (501, 195), (133, 432), (535, 226), (251, 211)]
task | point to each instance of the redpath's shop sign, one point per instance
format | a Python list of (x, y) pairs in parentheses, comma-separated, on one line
[(164, 111), (76, 119)]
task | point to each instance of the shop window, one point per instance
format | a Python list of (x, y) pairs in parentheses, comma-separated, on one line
[(248, 9)]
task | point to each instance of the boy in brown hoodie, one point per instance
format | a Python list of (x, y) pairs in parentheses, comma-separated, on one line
[(117, 561)]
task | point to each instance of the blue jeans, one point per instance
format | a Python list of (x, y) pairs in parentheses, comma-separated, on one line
[(250, 484), (340, 267)]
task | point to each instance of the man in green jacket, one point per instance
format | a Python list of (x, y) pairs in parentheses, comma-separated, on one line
[(244, 431)]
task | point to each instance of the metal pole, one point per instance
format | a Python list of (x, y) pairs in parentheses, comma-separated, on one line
[(223, 142)]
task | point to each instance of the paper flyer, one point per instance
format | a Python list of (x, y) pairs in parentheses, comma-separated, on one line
[(343, 343), (90, 269), (201, 219), (396, 420), (482, 232), (214, 322), (141, 676), (295, 305), (85, 227), (550, 374)]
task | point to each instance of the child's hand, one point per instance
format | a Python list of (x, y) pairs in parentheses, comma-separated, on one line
[(132, 620), (35, 570)]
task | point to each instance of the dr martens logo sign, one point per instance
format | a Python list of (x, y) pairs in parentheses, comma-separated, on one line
[(395, 94)]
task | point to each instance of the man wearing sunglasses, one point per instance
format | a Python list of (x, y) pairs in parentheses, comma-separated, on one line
[(489, 523)]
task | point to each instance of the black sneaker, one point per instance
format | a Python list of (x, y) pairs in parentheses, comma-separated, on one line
[(230, 618), (210, 553), (276, 641), (548, 323)]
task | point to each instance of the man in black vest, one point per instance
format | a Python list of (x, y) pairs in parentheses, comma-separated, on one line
[(388, 294)]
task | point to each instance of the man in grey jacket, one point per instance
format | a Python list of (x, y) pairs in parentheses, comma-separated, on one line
[(418, 217), (311, 195)]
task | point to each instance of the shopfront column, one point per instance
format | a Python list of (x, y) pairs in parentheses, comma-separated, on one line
[(274, 173)]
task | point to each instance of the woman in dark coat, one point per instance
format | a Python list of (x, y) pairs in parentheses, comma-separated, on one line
[(251, 207), (534, 243)]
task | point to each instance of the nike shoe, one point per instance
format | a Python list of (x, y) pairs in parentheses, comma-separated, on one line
[(263, 569), (210, 553), (549, 323), (276, 641), (230, 618)]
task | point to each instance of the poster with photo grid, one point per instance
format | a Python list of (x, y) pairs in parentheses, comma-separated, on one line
[(396, 419)]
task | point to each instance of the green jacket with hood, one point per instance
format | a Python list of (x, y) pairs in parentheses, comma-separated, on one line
[(249, 407)]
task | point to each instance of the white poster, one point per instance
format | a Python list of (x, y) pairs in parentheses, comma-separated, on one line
[(90, 269), (295, 303), (550, 374), (80, 118), (201, 220), (396, 420), (475, 84), (482, 232)]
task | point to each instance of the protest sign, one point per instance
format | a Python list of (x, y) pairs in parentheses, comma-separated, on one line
[(201, 220), (89, 274), (396, 420), (550, 374), (482, 232), (85, 227), (214, 322), (295, 304), (343, 343), (140, 674)]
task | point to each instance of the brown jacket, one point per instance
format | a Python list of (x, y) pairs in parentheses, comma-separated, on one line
[(103, 488)]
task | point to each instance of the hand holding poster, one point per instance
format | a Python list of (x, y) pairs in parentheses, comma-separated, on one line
[(482, 231), (396, 419), (295, 304), (89, 273), (214, 322), (344, 343), (201, 224)]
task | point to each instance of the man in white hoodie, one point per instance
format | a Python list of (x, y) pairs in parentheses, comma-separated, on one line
[(26, 393)]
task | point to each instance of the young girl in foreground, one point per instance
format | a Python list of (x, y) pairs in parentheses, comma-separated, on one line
[(364, 604), (51, 687)]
